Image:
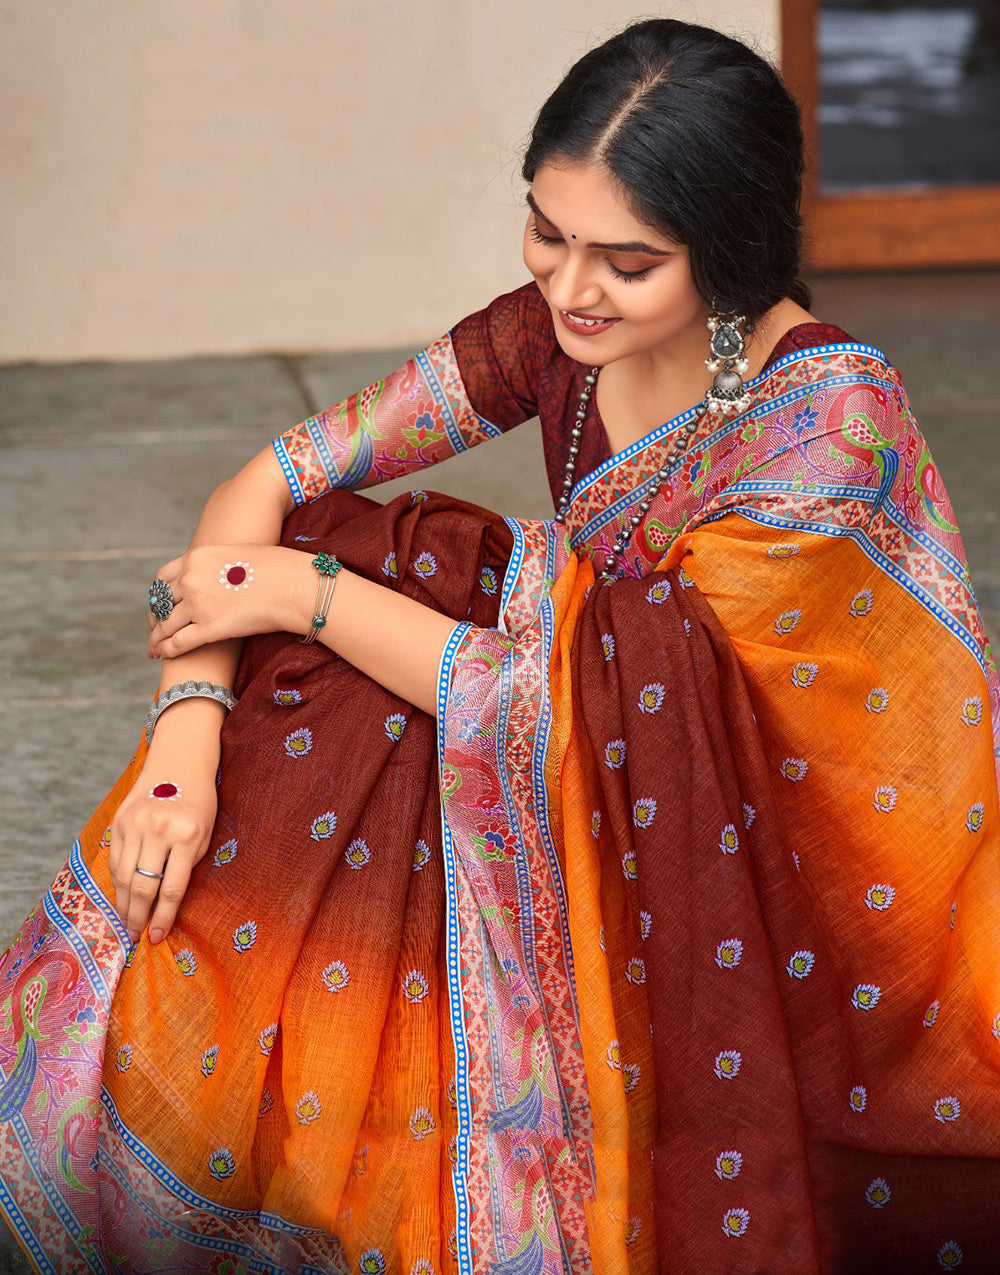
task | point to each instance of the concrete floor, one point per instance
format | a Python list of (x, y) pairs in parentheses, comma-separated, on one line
[(105, 468)]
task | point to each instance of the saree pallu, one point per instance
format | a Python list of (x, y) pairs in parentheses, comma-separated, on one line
[(673, 949)]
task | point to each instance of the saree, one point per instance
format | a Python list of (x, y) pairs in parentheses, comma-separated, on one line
[(670, 946)]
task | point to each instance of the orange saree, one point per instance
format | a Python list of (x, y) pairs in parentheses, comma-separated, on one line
[(672, 948)]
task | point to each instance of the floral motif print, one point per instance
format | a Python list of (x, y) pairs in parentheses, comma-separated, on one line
[(335, 976), (123, 1058), (858, 1098), (735, 1222), (357, 853), (395, 724), (866, 996), (299, 742), (783, 551), (800, 964), (885, 799), (729, 841), (931, 1013), (651, 697), (947, 1109), (221, 1164), (425, 565), (421, 1123), (245, 936), (728, 1165), (658, 592), (630, 865), (879, 897), (644, 812), (488, 581), (226, 853), (878, 700), (389, 568), (972, 711), (804, 674), (595, 824), (608, 646), (208, 1060), (308, 1108), (974, 820), (635, 971), (633, 1226), (749, 815), (323, 826), (421, 855), (645, 924), (286, 698), (949, 1256), (186, 963), (794, 768), (415, 987), (614, 1056), (371, 1262), (265, 1104), (878, 1194), (267, 1037), (728, 954), (861, 603), (728, 1063), (787, 621), (614, 754)]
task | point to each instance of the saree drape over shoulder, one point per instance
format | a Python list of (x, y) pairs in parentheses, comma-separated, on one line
[(670, 947)]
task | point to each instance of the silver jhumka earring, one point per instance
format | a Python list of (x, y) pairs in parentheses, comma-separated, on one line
[(727, 342)]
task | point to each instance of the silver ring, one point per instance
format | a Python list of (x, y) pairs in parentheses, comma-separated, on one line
[(145, 872), (161, 599)]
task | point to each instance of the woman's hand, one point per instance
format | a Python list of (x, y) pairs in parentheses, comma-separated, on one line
[(231, 591), (164, 824)]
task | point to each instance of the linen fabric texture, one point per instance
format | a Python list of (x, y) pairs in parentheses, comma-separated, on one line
[(669, 947)]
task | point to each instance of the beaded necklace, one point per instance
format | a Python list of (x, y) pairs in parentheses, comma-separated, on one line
[(721, 397)]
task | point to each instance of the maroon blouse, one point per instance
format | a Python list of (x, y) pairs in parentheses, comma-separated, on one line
[(513, 368)]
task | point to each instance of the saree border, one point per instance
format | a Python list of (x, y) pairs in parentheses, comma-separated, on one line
[(453, 960)]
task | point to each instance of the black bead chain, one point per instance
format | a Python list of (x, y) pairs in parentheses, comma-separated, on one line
[(680, 445)]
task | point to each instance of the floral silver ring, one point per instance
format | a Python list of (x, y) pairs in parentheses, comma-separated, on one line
[(161, 599)]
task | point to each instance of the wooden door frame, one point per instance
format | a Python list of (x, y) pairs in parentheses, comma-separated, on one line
[(874, 229)]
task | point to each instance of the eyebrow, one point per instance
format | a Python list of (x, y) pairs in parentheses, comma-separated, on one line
[(635, 245)]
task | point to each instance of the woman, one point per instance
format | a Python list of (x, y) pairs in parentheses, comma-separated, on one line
[(668, 947)]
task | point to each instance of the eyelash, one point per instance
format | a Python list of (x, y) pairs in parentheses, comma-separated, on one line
[(626, 276)]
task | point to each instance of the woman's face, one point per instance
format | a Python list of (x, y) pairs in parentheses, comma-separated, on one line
[(616, 287)]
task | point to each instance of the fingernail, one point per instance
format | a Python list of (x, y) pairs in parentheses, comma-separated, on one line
[(133, 937), (155, 936)]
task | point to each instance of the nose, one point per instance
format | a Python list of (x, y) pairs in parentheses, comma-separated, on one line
[(572, 285)]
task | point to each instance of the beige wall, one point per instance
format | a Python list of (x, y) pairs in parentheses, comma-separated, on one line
[(209, 176)]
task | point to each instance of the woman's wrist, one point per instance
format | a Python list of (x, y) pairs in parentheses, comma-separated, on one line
[(190, 728)]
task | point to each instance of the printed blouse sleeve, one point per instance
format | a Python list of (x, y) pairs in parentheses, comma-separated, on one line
[(465, 388)]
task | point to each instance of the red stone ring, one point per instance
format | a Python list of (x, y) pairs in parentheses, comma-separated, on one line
[(236, 576)]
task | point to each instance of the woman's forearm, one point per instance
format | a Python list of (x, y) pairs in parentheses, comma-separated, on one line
[(393, 639)]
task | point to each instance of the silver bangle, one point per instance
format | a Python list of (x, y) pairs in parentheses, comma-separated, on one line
[(187, 690)]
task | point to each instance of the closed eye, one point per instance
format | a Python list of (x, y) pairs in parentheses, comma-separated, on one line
[(629, 276), (538, 237)]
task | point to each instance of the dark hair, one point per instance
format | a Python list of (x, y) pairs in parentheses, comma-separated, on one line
[(706, 143)]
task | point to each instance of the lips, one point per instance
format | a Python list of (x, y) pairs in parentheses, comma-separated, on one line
[(585, 324)]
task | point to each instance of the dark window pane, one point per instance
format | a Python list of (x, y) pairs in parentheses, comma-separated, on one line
[(909, 93)]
